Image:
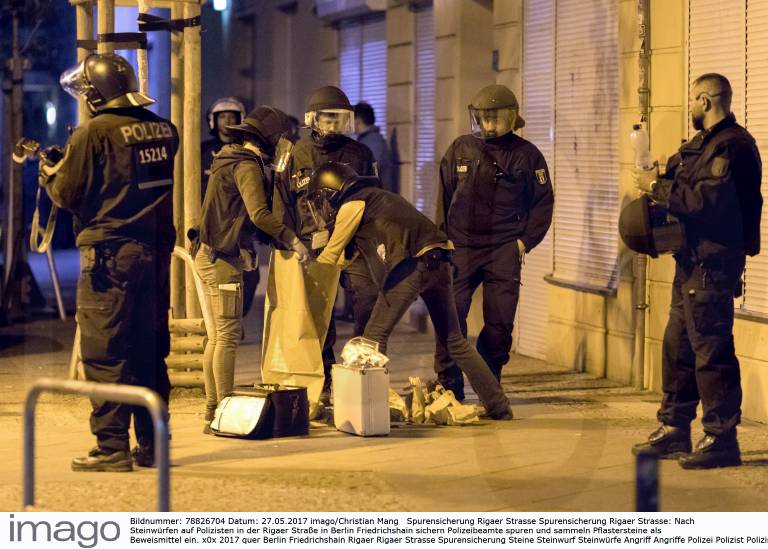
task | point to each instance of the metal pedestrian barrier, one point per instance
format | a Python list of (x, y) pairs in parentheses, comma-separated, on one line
[(647, 482), (127, 394)]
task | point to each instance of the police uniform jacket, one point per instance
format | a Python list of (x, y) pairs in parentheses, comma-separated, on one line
[(494, 191), (236, 210), (713, 186), (382, 227), (116, 177), (308, 155)]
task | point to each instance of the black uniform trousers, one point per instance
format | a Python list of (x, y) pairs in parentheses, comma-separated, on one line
[(123, 297), (431, 278), (363, 291), (699, 359), (498, 269)]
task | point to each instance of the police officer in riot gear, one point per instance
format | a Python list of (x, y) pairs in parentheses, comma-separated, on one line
[(116, 177), (712, 185), (495, 203), (236, 212), (407, 256), (330, 119)]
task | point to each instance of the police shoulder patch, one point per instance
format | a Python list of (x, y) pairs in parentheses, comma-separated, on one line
[(541, 176), (719, 166)]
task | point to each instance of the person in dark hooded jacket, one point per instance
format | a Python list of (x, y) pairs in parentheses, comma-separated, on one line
[(407, 256), (237, 211)]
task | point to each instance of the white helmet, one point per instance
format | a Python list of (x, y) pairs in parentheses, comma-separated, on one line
[(224, 104)]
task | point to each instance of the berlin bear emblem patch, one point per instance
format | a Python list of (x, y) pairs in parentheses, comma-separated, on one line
[(541, 176), (719, 166)]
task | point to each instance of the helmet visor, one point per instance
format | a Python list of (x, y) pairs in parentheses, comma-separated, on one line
[(321, 206), (490, 123), (73, 80), (331, 121), (283, 151)]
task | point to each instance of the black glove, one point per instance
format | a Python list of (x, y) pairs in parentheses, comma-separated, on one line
[(51, 155), (25, 149)]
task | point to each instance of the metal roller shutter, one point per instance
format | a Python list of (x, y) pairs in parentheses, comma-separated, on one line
[(363, 65), (538, 109), (756, 295), (350, 55), (373, 88), (586, 142), (717, 43)]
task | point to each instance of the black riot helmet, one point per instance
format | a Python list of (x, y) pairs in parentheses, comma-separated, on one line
[(329, 97), (648, 228), (332, 181), (106, 80), (494, 112), (271, 129), (329, 115)]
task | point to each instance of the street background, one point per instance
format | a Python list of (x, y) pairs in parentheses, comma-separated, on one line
[(568, 448)]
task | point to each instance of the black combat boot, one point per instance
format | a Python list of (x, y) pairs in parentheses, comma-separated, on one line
[(143, 456), (713, 451), (452, 381), (667, 442), (503, 415), (99, 459)]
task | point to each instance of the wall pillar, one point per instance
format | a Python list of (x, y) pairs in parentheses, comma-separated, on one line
[(401, 93), (463, 51)]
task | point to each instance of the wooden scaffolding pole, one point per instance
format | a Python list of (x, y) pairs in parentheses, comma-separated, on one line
[(191, 141), (141, 55), (84, 13), (106, 23), (177, 117), (14, 250)]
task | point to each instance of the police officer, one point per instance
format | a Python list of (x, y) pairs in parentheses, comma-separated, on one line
[(116, 177), (223, 113), (495, 203), (236, 213), (330, 118), (712, 185), (407, 257)]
